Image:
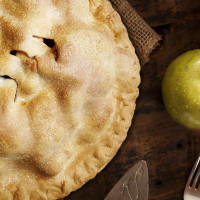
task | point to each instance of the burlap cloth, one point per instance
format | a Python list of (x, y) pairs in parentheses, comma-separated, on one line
[(143, 37)]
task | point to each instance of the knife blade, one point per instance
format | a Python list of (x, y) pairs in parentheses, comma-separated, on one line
[(134, 185)]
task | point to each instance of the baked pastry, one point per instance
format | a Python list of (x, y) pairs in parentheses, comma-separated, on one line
[(68, 86)]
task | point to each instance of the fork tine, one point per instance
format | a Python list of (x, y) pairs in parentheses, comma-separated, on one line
[(193, 171), (196, 179)]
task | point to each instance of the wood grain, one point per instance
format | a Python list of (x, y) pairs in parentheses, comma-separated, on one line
[(169, 149)]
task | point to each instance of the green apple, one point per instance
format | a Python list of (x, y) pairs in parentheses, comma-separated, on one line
[(181, 89)]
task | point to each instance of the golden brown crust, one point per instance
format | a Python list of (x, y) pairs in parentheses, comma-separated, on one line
[(68, 104)]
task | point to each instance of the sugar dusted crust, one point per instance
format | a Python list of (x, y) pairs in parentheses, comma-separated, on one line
[(68, 86)]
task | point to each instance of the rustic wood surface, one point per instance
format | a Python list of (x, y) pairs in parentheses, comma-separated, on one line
[(169, 149)]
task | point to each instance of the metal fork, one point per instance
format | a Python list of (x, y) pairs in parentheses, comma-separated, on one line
[(192, 189)]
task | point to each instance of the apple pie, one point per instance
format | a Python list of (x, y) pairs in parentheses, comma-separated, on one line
[(69, 80)]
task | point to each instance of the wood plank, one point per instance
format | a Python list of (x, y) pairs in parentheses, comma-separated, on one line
[(159, 12)]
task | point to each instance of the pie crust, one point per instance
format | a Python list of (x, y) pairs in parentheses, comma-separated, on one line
[(69, 80)]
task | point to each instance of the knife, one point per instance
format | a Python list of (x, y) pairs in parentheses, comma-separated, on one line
[(134, 185)]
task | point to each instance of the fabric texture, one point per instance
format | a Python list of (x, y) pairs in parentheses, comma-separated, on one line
[(143, 37)]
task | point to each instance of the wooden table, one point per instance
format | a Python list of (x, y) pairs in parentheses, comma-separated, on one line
[(169, 149)]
